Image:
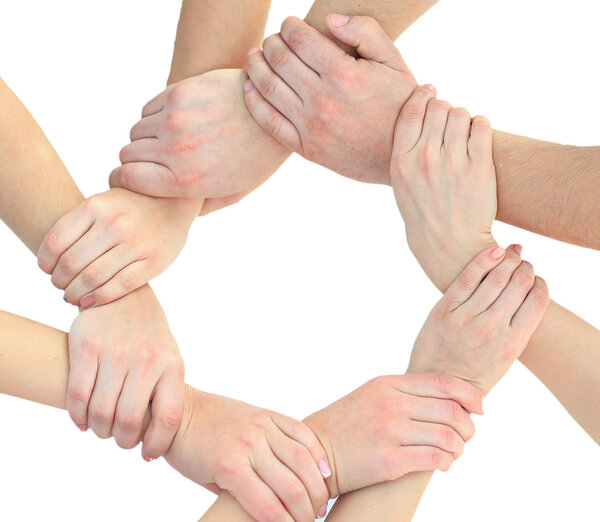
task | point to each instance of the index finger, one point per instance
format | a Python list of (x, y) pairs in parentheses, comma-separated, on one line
[(315, 49), (438, 386)]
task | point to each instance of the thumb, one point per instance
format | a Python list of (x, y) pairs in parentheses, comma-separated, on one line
[(367, 37)]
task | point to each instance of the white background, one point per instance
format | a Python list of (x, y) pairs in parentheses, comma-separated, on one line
[(306, 289)]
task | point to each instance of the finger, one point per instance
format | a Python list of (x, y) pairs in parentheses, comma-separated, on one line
[(493, 284), (82, 378), (470, 278), (92, 245), (213, 204), (434, 125), (143, 150), (152, 179), (301, 433), (457, 132), (367, 37), (167, 411), (131, 409), (104, 399), (298, 459), (293, 71), (431, 434), (67, 230), (124, 282), (437, 386), (147, 127), (531, 312), (512, 297), (99, 272), (285, 484), (256, 497), (409, 459), (273, 89), (410, 121), (316, 50), (156, 104), (270, 119), (443, 411), (480, 140)]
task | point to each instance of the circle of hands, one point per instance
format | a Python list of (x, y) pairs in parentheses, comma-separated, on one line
[(208, 141)]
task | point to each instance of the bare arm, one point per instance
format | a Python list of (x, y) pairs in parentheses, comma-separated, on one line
[(548, 188), (36, 187), (216, 34)]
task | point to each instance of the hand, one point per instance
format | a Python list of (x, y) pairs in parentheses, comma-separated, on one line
[(395, 425), (113, 243), (326, 105), (271, 464), (484, 321), (122, 357), (445, 184), (197, 140)]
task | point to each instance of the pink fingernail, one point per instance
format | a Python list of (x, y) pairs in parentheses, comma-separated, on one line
[(87, 301), (322, 512), (252, 51), (430, 87), (338, 20), (248, 86), (325, 469), (518, 249), (497, 253), (83, 427), (148, 459)]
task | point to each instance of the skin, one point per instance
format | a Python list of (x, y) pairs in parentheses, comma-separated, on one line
[(29, 170), (352, 93), (34, 365), (447, 156), (470, 306), (113, 243)]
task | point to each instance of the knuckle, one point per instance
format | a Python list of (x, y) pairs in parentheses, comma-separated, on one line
[(68, 264), (130, 422), (428, 160), (178, 94), (440, 382), (127, 173), (498, 278), (270, 86), (174, 120), (467, 280), (455, 411), (170, 419), (294, 492), (481, 124), (459, 113), (276, 57), (146, 358), (101, 415), (413, 112), (77, 394), (439, 459), (128, 281), (540, 295), (272, 511), (92, 276), (51, 243)]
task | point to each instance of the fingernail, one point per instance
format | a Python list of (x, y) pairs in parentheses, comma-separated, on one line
[(430, 87), (322, 512), (148, 459), (248, 86), (338, 20), (518, 249), (325, 469), (82, 427), (65, 299), (87, 301), (252, 51), (497, 253)]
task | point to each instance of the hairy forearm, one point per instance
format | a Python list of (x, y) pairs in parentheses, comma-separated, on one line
[(36, 187), (216, 34), (550, 189)]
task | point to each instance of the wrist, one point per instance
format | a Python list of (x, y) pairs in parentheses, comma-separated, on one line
[(331, 482), (443, 258)]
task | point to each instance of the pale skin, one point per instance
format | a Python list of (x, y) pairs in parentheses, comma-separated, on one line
[(114, 373), (457, 332), (402, 413)]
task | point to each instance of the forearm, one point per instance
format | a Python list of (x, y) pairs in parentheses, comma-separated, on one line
[(36, 188), (395, 16), (216, 34), (550, 189)]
